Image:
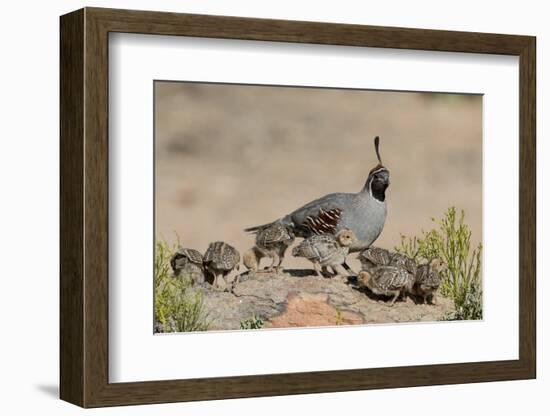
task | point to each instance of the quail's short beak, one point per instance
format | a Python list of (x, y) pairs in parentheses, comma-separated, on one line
[(384, 177)]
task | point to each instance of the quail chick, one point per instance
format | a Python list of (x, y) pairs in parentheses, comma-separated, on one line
[(427, 280), (251, 258), (327, 251), (403, 261), (219, 260), (189, 262), (387, 281), (363, 212), (374, 257), (272, 242)]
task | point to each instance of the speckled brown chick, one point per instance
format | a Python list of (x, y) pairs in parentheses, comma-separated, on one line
[(219, 260), (427, 280), (403, 261), (376, 256), (188, 262), (326, 250), (373, 257), (273, 242), (387, 281)]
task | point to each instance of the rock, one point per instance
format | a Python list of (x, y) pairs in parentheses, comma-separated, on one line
[(301, 299), (312, 309)]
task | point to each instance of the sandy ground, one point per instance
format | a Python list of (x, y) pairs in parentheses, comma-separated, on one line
[(229, 157)]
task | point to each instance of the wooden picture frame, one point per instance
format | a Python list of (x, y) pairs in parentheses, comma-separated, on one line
[(84, 207)]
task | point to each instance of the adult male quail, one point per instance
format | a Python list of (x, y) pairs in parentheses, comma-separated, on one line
[(272, 242), (364, 212), (190, 262), (387, 281), (326, 250), (219, 260), (427, 280)]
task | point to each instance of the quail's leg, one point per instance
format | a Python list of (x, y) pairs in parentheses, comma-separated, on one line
[(215, 282), (317, 268), (268, 269), (282, 252), (279, 266), (275, 262), (395, 296), (220, 282), (265, 268), (229, 283), (236, 279), (224, 281)]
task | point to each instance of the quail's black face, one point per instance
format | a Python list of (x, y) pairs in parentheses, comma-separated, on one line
[(379, 182)]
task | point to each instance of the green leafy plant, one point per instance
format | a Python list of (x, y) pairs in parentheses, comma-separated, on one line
[(178, 308), (252, 323), (461, 277), (339, 317)]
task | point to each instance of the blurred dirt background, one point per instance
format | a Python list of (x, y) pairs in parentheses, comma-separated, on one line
[(233, 156)]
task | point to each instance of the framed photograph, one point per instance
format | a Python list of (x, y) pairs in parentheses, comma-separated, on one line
[(254, 207)]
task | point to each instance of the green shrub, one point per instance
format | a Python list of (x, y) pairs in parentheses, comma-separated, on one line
[(252, 323), (461, 277), (339, 317), (178, 308)]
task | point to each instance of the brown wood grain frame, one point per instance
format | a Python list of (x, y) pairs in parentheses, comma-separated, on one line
[(84, 217)]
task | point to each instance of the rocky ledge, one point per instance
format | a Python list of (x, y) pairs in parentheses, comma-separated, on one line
[(298, 298)]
